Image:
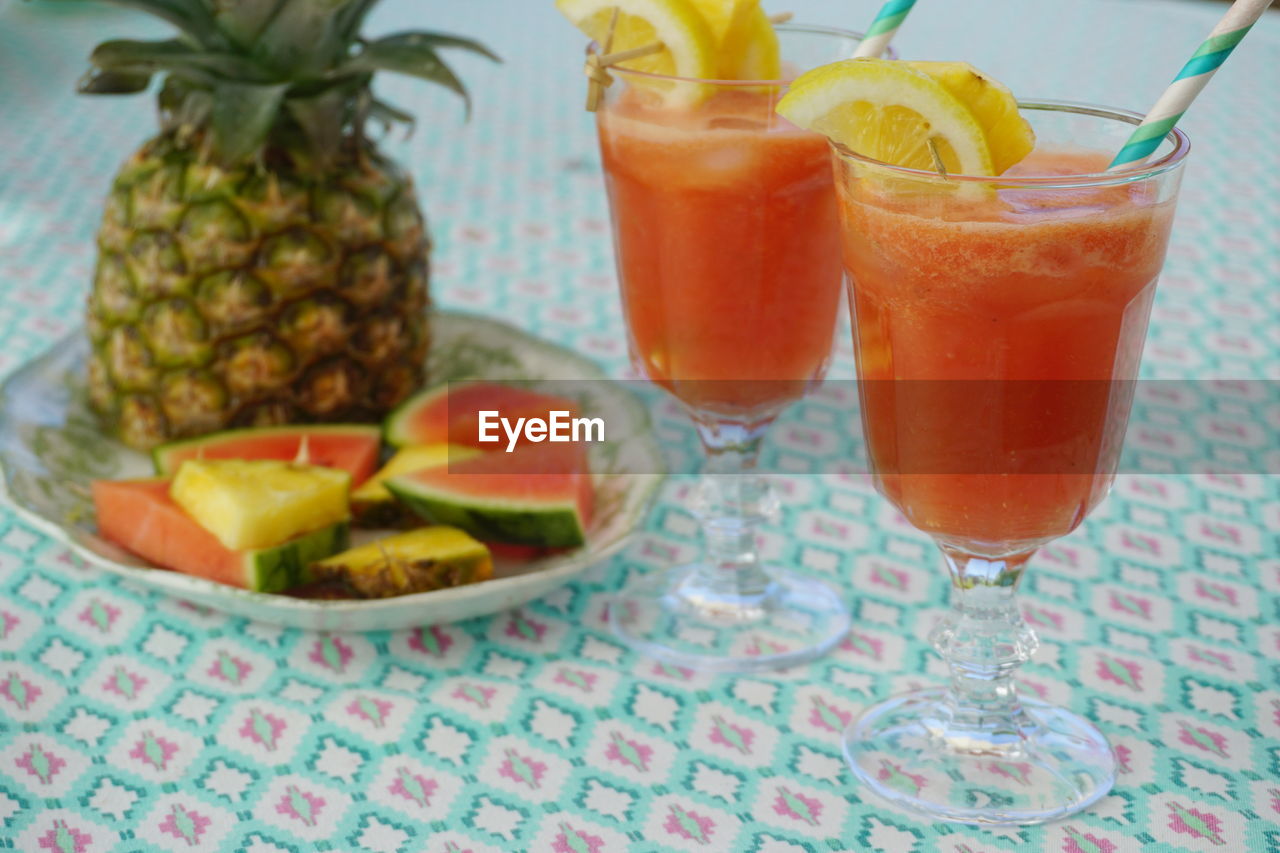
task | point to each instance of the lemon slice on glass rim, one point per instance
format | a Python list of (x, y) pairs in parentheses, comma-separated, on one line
[(903, 113), (688, 45), (747, 46)]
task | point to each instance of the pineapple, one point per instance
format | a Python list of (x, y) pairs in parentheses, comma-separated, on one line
[(260, 261), (422, 560), (260, 503)]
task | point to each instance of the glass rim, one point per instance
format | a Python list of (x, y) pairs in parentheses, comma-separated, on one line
[(789, 26), (1129, 174)]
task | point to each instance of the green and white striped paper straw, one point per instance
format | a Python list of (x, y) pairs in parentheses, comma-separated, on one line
[(882, 29), (1193, 77)]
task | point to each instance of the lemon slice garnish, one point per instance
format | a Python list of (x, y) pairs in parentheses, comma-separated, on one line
[(688, 47), (895, 112), (747, 46)]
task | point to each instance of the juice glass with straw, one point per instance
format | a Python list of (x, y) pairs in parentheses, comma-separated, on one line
[(999, 316), (998, 328), (727, 243)]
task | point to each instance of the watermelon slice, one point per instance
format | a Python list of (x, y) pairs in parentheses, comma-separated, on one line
[(140, 516), (450, 413), (539, 494), (352, 447)]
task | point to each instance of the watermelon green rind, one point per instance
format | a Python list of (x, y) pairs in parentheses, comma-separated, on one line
[(427, 417), (167, 457), (542, 523), (288, 565), (397, 429)]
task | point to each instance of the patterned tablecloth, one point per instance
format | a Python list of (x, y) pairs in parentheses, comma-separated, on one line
[(129, 722)]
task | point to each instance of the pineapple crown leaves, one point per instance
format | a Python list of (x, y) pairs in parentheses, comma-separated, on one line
[(247, 70)]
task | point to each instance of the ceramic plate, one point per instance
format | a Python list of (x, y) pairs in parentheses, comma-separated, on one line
[(51, 448)]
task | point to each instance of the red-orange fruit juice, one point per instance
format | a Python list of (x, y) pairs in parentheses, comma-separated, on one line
[(1017, 315), (727, 243)]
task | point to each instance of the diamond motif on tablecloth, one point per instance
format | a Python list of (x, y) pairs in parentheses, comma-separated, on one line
[(623, 751), (435, 645), (42, 765), (721, 732), (585, 685), (181, 822), (17, 625), (65, 831), (124, 683), (514, 767), (1197, 825), (681, 825), (98, 617), (154, 751), (340, 658), (265, 732), (1121, 673), (376, 716), (564, 832), (302, 807), (27, 696), (226, 666), (1213, 660), (415, 789)]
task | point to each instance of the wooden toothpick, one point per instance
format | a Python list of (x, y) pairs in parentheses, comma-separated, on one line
[(632, 53), (594, 70), (938, 165)]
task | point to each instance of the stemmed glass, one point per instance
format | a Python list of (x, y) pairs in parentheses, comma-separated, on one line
[(998, 326), (727, 244)]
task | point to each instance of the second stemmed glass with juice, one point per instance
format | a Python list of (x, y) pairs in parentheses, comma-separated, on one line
[(727, 242), (998, 326)]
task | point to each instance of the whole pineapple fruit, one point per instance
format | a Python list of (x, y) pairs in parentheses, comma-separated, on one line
[(260, 261)]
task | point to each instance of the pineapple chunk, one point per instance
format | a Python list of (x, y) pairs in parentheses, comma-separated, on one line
[(259, 503), (421, 560)]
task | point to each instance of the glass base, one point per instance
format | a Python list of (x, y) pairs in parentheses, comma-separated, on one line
[(1055, 765), (678, 618)]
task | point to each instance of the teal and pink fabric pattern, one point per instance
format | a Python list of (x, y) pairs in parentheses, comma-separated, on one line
[(132, 723)]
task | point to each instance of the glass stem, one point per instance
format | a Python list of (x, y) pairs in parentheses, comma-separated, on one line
[(732, 503), (984, 640)]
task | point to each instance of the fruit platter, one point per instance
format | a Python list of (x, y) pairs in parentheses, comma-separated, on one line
[(340, 526)]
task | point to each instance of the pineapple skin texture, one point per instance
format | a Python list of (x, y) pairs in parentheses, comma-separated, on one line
[(255, 504), (422, 560), (255, 296)]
